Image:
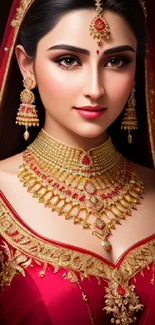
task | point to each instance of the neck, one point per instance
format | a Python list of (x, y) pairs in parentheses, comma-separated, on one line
[(64, 157), (74, 140)]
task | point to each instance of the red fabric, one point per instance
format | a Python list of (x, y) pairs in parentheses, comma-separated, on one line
[(52, 299), (7, 40)]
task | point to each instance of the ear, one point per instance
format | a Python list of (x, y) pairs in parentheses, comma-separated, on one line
[(26, 63)]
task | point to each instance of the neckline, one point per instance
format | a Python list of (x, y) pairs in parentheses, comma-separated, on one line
[(17, 219), (46, 153), (67, 146)]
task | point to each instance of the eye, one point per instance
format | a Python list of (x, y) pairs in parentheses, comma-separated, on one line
[(118, 62), (67, 62)]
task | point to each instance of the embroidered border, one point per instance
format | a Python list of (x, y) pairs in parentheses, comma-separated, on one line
[(58, 257)]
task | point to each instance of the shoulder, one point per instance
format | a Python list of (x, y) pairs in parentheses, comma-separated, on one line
[(9, 169), (11, 164), (147, 175)]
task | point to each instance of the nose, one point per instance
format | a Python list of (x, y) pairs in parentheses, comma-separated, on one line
[(93, 86)]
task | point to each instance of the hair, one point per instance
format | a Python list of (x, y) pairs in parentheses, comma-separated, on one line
[(42, 16)]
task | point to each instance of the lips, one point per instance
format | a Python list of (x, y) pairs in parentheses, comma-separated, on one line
[(90, 112), (90, 108)]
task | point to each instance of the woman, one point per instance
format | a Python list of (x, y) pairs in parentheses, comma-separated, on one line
[(89, 257)]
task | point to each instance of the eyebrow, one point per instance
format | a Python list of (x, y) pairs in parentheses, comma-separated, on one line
[(71, 48)]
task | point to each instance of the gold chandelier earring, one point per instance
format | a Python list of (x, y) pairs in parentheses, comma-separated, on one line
[(27, 114), (130, 121)]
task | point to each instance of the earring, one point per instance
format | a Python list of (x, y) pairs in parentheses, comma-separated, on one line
[(27, 114), (130, 121)]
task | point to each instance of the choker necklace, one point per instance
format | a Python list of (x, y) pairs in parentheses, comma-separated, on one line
[(96, 189)]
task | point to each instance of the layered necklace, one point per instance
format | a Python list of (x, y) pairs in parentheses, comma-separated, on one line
[(95, 188)]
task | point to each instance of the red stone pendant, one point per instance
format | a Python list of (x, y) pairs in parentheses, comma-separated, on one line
[(120, 290), (99, 29), (99, 24), (86, 160)]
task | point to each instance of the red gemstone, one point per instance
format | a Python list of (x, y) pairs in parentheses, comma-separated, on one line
[(86, 160), (50, 181), (56, 185), (61, 189), (82, 198), (103, 196), (75, 196), (120, 290), (99, 24), (97, 52)]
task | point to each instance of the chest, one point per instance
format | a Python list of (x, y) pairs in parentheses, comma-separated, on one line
[(49, 224)]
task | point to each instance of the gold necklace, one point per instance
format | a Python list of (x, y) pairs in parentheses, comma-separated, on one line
[(84, 186)]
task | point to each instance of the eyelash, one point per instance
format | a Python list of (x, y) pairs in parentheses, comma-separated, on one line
[(126, 60)]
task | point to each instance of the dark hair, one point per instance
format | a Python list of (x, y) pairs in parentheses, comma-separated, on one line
[(42, 16)]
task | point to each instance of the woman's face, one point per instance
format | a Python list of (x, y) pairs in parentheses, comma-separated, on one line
[(70, 74)]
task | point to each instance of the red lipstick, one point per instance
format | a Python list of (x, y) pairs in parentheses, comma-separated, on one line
[(90, 108), (90, 112)]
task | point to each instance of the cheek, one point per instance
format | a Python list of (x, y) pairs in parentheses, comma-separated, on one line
[(52, 83), (119, 86)]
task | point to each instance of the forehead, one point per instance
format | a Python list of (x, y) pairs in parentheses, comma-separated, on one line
[(73, 28)]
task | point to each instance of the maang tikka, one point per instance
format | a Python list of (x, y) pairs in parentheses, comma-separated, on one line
[(130, 121), (27, 114), (99, 28)]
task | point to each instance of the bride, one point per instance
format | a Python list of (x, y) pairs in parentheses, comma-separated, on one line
[(77, 137)]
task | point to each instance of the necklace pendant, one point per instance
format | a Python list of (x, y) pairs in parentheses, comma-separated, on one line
[(86, 161), (106, 245), (122, 303)]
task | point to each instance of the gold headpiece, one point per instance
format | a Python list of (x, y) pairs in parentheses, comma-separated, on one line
[(99, 28)]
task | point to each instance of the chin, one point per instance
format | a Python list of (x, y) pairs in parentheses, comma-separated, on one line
[(90, 132)]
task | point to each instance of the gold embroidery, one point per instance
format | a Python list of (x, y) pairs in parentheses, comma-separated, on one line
[(20, 12), (121, 299), (153, 274), (61, 257), (52, 254), (15, 264), (123, 303), (134, 262), (149, 93)]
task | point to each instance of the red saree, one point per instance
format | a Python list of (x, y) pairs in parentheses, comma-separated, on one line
[(45, 282)]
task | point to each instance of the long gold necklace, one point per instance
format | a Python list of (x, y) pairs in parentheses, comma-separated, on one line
[(96, 188)]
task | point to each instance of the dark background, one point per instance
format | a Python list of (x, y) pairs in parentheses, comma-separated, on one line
[(4, 11)]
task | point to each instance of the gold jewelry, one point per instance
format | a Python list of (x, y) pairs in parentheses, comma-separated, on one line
[(27, 114), (130, 121), (83, 186), (99, 28)]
